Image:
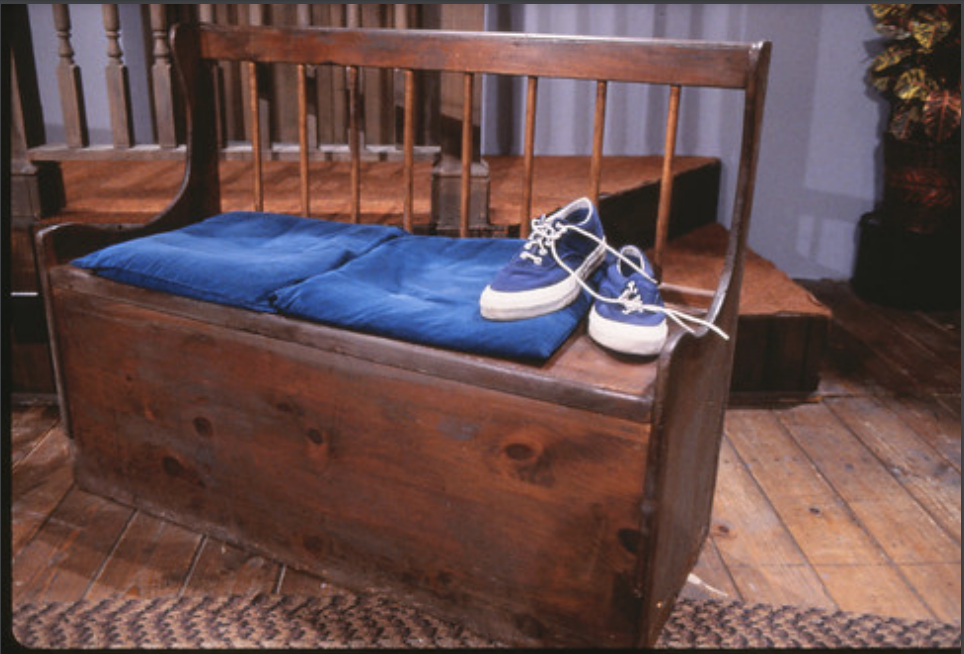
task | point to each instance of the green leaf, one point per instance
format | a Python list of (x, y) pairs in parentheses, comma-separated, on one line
[(924, 33), (882, 84), (928, 30), (891, 56), (889, 13), (914, 84), (892, 21), (904, 120)]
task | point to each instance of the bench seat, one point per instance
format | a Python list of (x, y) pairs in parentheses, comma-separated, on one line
[(580, 373)]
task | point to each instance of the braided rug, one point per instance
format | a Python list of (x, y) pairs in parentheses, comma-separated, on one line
[(345, 620)]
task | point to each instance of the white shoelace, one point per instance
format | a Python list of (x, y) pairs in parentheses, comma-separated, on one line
[(629, 298), (544, 233)]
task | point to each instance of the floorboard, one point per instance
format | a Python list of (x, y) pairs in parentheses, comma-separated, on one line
[(901, 527), (764, 560), (923, 473), (28, 429), (849, 501), (850, 564), (68, 552), (152, 558), (39, 480), (223, 569)]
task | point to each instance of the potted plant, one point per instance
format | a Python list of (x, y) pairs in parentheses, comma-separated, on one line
[(905, 255)]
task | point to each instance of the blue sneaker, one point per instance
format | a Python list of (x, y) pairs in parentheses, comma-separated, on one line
[(549, 271), (628, 315)]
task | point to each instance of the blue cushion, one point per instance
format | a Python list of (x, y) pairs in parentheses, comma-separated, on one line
[(426, 289), (236, 258)]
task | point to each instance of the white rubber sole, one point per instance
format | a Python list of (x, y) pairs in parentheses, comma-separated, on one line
[(626, 338), (499, 305)]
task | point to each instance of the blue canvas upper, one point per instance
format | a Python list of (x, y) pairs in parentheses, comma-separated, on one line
[(620, 280), (237, 258), (534, 266), (425, 289)]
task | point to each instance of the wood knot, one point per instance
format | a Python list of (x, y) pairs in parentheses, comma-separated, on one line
[(629, 539), (520, 451), (290, 408), (526, 459), (174, 468), (318, 447), (316, 436), (203, 427)]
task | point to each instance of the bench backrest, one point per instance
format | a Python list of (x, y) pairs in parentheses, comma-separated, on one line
[(676, 64)]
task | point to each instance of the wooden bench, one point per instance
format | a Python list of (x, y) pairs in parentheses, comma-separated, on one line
[(560, 503)]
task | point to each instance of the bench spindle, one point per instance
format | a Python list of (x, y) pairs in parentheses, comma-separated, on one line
[(408, 145), (468, 85), (599, 125), (532, 87), (666, 178), (303, 139), (255, 108), (354, 144)]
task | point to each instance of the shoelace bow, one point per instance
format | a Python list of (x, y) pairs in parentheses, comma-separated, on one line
[(544, 235)]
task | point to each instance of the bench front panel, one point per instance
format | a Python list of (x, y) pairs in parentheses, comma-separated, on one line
[(521, 513)]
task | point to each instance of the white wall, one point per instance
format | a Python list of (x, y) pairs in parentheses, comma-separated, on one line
[(819, 162)]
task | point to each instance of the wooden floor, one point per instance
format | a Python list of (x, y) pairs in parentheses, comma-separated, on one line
[(852, 501)]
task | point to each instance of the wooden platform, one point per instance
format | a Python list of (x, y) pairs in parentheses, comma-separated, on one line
[(849, 502), (783, 329)]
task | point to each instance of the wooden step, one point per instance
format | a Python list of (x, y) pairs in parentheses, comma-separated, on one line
[(782, 329)]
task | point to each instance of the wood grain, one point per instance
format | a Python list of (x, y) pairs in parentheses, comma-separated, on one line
[(905, 531), (655, 61), (862, 585), (934, 483), (763, 558), (468, 494), (224, 568), (152, 558), (38, 482), (59, 563), (847, 559), (28, 428)]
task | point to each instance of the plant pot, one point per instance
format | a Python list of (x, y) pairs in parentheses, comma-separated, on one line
[(922, 185), (907, 269)]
